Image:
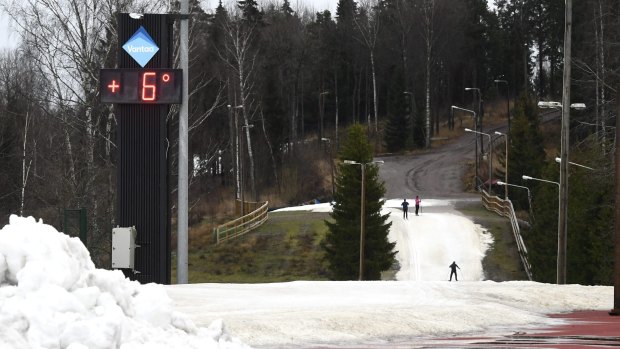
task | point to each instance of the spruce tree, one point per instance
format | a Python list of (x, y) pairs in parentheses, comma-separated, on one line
[(527, 155), (398, 124), (250, 11), (342, 241)]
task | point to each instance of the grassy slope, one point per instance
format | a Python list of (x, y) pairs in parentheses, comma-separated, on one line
[(285, 248)]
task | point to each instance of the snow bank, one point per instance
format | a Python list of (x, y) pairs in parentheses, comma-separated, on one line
[(52, 296), (370, 314)]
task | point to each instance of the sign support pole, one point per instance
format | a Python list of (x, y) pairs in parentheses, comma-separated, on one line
[(182, 213)]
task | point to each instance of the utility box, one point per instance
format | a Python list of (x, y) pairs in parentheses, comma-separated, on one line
[(123, 247)]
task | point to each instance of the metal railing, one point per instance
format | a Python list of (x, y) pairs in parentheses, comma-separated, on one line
[(243, 225), (504, 208)]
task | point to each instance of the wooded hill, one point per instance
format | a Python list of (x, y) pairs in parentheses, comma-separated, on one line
[(300, 76)]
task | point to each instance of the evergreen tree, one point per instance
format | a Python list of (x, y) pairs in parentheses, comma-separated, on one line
[(342, 241), (397, 128), (286, 8), (251, 13), (590, 221), (527, 155), (542, 240)]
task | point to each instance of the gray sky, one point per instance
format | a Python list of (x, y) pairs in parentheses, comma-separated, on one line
[(9, 39)]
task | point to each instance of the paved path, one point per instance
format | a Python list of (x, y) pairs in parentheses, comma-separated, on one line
[(583, 329)]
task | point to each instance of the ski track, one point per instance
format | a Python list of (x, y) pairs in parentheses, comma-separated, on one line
[(427, 244)]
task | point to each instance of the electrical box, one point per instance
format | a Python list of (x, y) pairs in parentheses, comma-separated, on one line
[(123, 247)]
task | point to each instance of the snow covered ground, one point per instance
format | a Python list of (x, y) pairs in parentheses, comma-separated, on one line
[(51, 296)]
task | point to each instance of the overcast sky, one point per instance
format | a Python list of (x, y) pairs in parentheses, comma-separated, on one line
[(8, 38)]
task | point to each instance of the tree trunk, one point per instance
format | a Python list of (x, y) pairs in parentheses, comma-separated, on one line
[(428, 38), (25, 169), (336, 100), (602, 72), (374, 90), (597, 73), (273, 159)]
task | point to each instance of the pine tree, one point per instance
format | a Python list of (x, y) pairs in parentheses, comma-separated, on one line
[(342, 241)]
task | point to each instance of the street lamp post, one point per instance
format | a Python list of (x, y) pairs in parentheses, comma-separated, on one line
[(564, 147), (561, 268), (362, 210), (465, 110), (490, 160), (559, 161), (507, 100), (479, 119), (529, 194), (475, 142), (322, 111), (331, 163), (506, 173)]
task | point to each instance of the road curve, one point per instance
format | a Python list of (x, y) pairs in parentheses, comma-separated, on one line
[(436, 174)]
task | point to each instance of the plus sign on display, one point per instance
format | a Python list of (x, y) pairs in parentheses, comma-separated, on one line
[(137, 86)]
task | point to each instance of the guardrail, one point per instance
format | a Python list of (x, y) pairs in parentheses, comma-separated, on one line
[(244, 224), (504, 208)]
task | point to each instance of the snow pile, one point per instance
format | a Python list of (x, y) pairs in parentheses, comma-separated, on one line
[(52, 296)]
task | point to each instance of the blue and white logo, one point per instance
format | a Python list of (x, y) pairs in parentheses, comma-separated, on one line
[(141, 47)]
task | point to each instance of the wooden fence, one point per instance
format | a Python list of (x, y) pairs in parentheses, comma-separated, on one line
[(504, 208), (245, 224)]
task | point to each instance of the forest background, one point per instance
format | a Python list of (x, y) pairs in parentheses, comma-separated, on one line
[(300, 78)]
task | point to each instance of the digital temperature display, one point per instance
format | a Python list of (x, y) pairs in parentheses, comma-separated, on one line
[(140, 86)]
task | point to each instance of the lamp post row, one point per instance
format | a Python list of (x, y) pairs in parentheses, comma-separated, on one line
[(362, 211)]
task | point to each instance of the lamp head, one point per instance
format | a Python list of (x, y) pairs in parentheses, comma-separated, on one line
[(468, 130), (526, 177), (578, 106), (500, 183)]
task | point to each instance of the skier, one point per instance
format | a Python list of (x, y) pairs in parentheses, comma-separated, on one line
[(417, 204), (405, 206), (453, 267)]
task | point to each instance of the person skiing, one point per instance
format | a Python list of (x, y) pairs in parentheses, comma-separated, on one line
[(453, 267), (417, 204), (405, 206)]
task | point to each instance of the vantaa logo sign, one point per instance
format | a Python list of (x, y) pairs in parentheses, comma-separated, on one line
[(141, 47)]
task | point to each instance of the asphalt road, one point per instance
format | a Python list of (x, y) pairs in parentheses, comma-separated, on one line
[(437, 173)]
